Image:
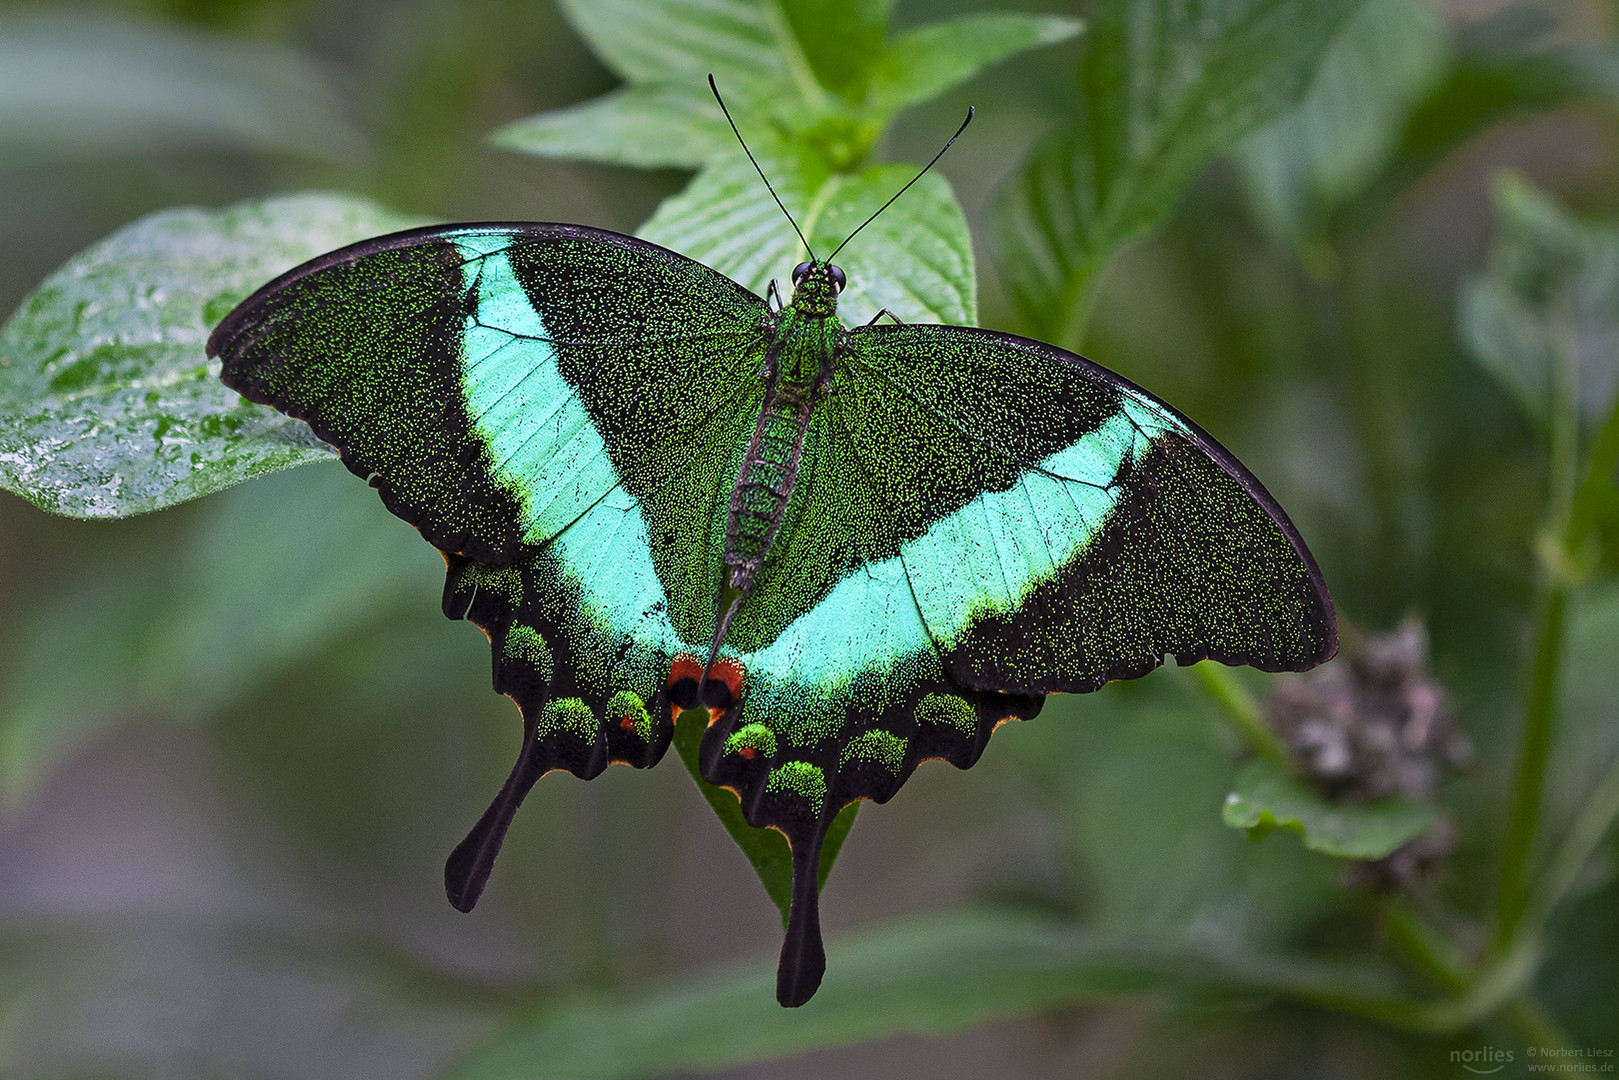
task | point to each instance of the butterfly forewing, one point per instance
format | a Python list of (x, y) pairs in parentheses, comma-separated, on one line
[(493, 381), (1118, 533)]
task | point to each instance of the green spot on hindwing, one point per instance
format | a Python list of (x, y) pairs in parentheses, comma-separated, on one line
[(877, 747), (626, 709), (503, 581), (755, 737), (525, 643), (567, 714), (947, 710), (799, 778)]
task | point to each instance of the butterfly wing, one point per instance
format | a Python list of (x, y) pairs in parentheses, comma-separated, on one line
[(1108, 531), (547, 404), (492, 381), (982, 520)]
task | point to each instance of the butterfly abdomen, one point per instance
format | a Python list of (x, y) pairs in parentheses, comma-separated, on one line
[(765, 482)]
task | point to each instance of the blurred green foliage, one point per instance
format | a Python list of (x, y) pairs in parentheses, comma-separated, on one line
[(236, 738)]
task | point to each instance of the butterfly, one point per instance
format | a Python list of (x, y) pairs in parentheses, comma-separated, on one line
[(854, 549)]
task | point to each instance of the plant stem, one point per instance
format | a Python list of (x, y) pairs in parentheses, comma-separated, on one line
[(1540, 712), (1498, 988), (1597, 487), (1539, 724), (1238, 706), (1501, 987), (1590, 826), (1429, 950), (1535, 1024)]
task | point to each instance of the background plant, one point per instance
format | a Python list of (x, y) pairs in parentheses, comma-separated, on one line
[(236, 738)]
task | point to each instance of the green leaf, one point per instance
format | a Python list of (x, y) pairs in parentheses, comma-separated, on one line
[(665, 50), (929, 60), (182, 631), (90, 84), (932, 976), (1265, 799), (842, 40), (108, 404), (1550, 289), (1503, 66), (653, 126), (1163, 87), (1312, 159), (775, 62), (683, 41), (916, 259)]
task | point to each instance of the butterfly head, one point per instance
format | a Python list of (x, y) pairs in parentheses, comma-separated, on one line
[(816, 286)]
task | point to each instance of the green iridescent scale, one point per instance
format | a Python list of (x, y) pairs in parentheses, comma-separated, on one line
[(857, 549)]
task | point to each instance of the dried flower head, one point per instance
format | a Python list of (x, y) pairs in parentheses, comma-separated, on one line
[(1373, 724)]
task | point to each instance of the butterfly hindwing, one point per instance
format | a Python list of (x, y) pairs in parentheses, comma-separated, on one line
[(842, 705)]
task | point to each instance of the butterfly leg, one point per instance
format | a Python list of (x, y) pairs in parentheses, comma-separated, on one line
[(773, 297), (884, 311)]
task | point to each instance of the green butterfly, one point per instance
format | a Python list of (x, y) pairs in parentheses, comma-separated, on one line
[(857, 548)]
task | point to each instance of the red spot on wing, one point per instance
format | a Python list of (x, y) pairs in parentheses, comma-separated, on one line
[(685, 666), (747, 752), (729, 672), (626, 722)]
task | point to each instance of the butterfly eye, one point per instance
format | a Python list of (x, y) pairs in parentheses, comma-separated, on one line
[(799, 271), (838, 280)]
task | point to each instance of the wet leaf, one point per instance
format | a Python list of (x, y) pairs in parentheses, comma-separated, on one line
[(108, 403)]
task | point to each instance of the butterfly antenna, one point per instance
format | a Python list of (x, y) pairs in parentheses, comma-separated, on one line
[(907, 187), (761, 172)]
